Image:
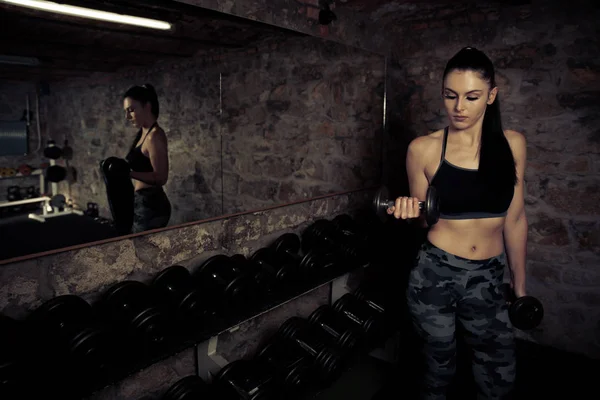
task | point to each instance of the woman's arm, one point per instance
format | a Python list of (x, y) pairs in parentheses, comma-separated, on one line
[(157, 149), (515, 225), (415, 169)]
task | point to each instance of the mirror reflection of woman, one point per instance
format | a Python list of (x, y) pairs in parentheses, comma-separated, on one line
[(148, 159)]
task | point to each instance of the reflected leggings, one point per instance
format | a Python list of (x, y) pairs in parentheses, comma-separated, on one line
[(151, 209), (445, 289)]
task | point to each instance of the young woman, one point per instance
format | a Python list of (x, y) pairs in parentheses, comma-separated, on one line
[(477, 169), (148, 159)]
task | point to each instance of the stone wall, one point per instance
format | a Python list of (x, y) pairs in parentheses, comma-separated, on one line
[(302, 117)]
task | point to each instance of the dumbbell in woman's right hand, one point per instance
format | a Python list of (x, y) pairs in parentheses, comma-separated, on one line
[(405, 208)]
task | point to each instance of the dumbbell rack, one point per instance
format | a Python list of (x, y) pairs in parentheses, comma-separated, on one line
[(44, 199), (48, 206)]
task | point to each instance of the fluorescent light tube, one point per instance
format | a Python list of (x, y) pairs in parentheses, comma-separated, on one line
[(17, 60), (90, 13)]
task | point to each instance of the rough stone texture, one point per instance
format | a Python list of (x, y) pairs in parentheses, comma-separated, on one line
[(152, 382), (547, 62), (302, 118)]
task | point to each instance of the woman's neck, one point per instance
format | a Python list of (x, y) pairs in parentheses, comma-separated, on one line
[(147, 125)]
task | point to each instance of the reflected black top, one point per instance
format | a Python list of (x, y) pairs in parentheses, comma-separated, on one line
[(138, 161), (463, 196)]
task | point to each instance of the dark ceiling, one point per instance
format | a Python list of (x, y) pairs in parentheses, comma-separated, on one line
[(69, 46)]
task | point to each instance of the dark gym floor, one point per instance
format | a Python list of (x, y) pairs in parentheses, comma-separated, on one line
[(22, 235), (542, 373)]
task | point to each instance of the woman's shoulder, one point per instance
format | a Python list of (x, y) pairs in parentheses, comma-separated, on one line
[(515, 138), (427, 144)]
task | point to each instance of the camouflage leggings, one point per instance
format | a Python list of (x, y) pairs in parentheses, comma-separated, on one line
[(444, 288)]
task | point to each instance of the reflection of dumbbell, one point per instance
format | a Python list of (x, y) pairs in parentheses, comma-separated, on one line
[(300, 333), (525, 312), (14, 193), (191, 387), (245, 380), (341, 332), (134, 309), (287, 248), (430, 207), (289, 364), (179, 290), (370, 321), (67, 325), (229, 286)]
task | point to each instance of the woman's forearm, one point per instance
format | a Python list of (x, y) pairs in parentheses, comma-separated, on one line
[(515, 243), (151, 178)]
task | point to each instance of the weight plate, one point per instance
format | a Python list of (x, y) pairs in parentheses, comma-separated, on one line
[(288, 242)]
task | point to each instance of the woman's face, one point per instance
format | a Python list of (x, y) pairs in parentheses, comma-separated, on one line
[(466, 97), (135, 112)]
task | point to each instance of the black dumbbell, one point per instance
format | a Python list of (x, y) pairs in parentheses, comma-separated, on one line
[(226, 283), (246, 380), (430, 207), (312, 263), (179, 289), (133, 308), (344, 335), (525, 312), (262, 270), (283, 271), (191, 387), (370, 321), (321, 236), (289, 364), (69, 324), (372, 298), (299, 332)]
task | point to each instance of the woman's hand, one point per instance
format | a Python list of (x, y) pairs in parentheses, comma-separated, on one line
[(405, 208)]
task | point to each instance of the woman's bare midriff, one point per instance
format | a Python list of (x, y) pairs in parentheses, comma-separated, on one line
[(474, 239), (137, 185)]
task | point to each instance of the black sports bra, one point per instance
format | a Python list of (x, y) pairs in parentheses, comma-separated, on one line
[(462, 196), (138, 161)]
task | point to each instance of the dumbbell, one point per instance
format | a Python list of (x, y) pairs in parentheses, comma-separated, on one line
[(321, 236), (430, 207), (287, 247), (370, 321), (373, 299), (327, 361), (228, 285), (133, 307), (352, 234), (176, 286), (69, 325), (290, 364), (245, 380), (285, 272), (262, 268), (345, 336), (525, 312), (191, 387)]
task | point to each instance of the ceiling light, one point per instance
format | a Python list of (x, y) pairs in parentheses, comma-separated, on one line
[(16, 60), (90, 13)]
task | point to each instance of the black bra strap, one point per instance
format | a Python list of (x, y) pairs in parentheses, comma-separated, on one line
[(444, 144), (147, 133)]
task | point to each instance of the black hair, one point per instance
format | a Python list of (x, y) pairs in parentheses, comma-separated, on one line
[(496, 161), (144, 94)]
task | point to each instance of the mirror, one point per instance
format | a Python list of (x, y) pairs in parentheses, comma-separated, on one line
[(302, 117), (253, 116)]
